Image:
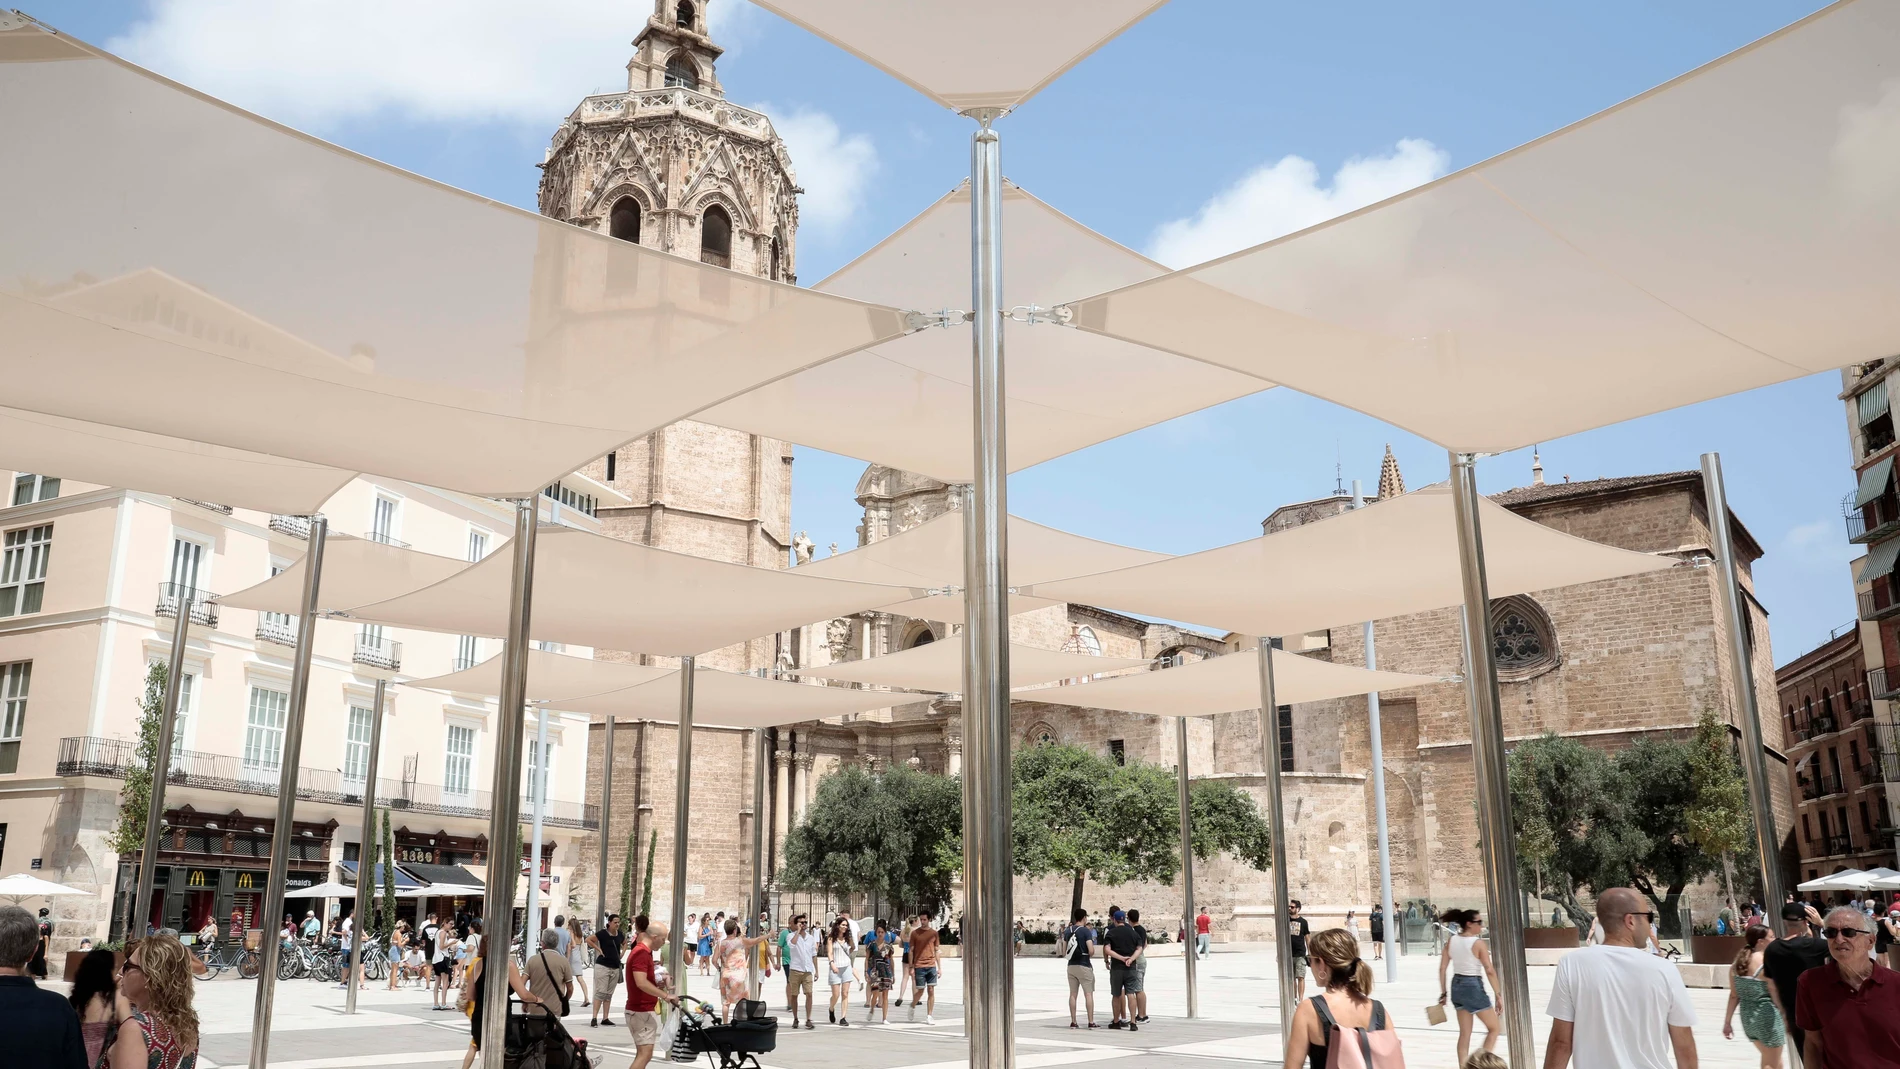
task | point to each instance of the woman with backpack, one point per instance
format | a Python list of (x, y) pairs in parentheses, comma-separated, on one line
[(1342, 1025)]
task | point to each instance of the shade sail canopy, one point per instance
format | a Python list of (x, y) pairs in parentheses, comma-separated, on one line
[(906, 403), (356, 571), (1736, 227), (728, 699), (1223, 684), (113, 456), (938, 666), (593, 590), (1387, 559), (973, 53), (268, 292), (552, 677)]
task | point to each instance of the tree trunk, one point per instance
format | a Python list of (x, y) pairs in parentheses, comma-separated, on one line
[(1075, 897), (1728, 882)]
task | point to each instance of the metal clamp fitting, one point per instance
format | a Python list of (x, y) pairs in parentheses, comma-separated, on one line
[(949, 317), (1060, 315)]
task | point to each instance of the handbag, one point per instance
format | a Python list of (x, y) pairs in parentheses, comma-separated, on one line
[(1434, 1013)]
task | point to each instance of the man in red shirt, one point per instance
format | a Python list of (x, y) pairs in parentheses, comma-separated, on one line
[(1203, 933), (1850, 1007), (644, 993)]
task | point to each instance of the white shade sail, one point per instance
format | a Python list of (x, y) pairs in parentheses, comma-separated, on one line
[(356, 571), (552, 677), (593, 590), (972, 53), (728, 699), (906, 403), (1224, 684), (938, 666), (268, 292), (1387, 559), (1736, 227), (112, 456)]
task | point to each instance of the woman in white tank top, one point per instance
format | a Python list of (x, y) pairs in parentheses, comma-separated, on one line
[(1469, 961)]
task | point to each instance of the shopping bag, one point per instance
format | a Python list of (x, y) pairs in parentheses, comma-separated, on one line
[(1434, 1014), (668, 1030)]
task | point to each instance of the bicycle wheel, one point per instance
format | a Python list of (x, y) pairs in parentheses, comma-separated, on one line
[(286, 965), (248, 965)]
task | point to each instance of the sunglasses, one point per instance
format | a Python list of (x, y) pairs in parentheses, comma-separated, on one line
[(1844, 933), (130, 966)]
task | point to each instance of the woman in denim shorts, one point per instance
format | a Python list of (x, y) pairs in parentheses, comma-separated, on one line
[(1469, 961)]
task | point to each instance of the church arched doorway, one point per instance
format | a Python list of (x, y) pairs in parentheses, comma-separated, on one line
[(624, 221), (715, 237)]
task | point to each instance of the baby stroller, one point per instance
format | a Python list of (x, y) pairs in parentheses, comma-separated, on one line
[(541, 1042), (738, 1044)]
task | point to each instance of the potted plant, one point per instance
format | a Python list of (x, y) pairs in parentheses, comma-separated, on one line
[(1707, 948), (1557, 937)]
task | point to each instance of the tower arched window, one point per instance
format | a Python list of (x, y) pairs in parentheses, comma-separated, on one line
[(715, 237), (1523, 641), (682, 71), (777, 274), (624, 221), (683, 17), (1089, 641)]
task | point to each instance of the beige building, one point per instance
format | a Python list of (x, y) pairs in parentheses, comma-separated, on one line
[(91, 605)]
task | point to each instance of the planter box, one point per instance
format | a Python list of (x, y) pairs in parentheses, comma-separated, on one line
[(74, 957), (1715, 949), (1550, 938)]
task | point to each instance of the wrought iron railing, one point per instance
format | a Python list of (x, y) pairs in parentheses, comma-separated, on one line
[(1839, 843), (112, 758), (222, 510), (386, 539), (1878, 686), (204, 607), (272, 628), (294, 526), (1819, 786), (378, 651)]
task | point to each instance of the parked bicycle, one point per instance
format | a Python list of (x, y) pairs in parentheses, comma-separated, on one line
[(223, 955)]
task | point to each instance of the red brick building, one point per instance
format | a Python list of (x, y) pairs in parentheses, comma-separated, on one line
[(1836, 760)]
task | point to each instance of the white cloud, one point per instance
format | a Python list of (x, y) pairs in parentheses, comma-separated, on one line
[(317, 64), (833, 168), (1286, 196), (1818, 544)]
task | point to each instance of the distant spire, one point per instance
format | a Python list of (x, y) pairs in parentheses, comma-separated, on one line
[(1391, 483), (1339, 471), (1537, 468)]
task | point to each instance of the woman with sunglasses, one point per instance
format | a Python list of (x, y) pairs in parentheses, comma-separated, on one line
[(158, 1029), (1469, 961)]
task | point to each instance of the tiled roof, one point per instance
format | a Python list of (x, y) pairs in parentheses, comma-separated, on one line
[(1533, 495)]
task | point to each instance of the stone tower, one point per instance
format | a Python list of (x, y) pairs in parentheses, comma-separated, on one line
[(672, 165)]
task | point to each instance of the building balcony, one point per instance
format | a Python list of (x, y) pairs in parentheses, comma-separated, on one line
[(463, 664), (386, 539), (1838, 845), (378, 651), (1877, 685), (203, 606), (1873, 521), (222, 510), (294, 526), (1819, 786), (279, 629), (1877, 606), (111, 758), (1814, 726)]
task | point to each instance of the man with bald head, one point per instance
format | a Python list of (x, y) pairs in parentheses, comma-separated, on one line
[(644, 993), (1615, 1005), (1850, 1007)]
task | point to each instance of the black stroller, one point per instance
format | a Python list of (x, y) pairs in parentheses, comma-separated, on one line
[(738, 1044), (536, 1042)]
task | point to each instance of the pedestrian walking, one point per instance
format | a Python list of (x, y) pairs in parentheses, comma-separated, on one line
[(43, 934), (924, 942), (1140, 1007), (1377, 922), (880, 971), (398, 941), (801, 962), (39, 1028), (1122, 947), (1849, 1008), (705, 945), (644, 993), (442, 966), (1469, 961), (1748, 992), (1352, 923), (577, 957), (1785, 960), (1295, 948), (550, 975), (689, 939), (1203, 933), (609, 953), (158, 1027), (1345, 1002), (733, 961), (1888, 942), (840, 952), (1614, 1005), (471, 1000), (1016, 939), (903, 963), (1078, 948)]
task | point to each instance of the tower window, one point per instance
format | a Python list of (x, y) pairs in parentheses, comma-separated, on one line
[(624, 221), (1286, 738), (1117, 752), (775, 276), (681, 71), (684, 16), (715, 237), (1522, 638)]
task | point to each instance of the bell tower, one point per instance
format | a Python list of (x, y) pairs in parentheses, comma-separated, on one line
[(674, 50)]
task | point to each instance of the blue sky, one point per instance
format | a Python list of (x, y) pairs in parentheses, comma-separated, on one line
[(1210, 126)]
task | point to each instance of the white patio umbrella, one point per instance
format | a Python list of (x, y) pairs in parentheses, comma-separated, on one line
[(328, 889), (1845, 880), (22, 885)]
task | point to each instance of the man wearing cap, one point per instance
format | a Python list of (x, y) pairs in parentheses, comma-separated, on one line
[(1785, 959)]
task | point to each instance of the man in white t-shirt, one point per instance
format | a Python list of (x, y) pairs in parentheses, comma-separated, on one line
[(1614, 1005)]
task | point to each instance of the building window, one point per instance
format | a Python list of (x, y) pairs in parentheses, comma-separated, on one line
[(467, 652), (1866, 820), (572, 498), (1847, 832), (280, 626), (187, 686), (715, 237), (477, 544), (356, 744), (1286, 738), (264, 734), (28, 488), (459, 770), (1876, 418), (1807, 830), (623, 221), (683, 16), (1117, 752), (612, 463), (1089, 641), (681, 71), (777, 269), (23, 569), (382, 521), (537, 771), (14, 679), (1522, 639)]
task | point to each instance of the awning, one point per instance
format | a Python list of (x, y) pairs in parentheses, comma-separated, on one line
[(454, 876), (404, 881), (938, 666), (1879, 561), (356, 571), (906, 403), (1736, 227), (972, 53), (1225, 684), (1387, 559), (1874, 481), (268, 292)]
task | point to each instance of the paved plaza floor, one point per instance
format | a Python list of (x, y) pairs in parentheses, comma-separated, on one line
[(1239, 1023)]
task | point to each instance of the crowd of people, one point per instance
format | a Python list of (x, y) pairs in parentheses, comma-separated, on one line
[(137, 1015), (1820, 988)]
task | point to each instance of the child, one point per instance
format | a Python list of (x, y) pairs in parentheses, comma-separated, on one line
[(1484, 1059)]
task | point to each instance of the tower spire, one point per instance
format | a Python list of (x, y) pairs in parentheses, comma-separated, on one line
[(1537, 468), (1391, 483)]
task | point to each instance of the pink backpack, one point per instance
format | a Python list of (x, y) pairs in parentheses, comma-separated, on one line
[(1360, 1048)]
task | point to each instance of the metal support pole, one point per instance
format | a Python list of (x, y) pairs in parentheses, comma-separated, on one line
[(682, 809), (365, 856), (988, 908), (1276, 822), (498, 903), (1188, 943), (285, 829), (760, 754), (182, 598), (1497, 842), (532, 918), (1741, 669), (1377, 735), (606, 818)]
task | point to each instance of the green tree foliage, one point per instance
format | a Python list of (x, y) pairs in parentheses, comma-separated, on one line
[(896, 833), (135, 791), (646, 887), (626, 877), (1719, 822)]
